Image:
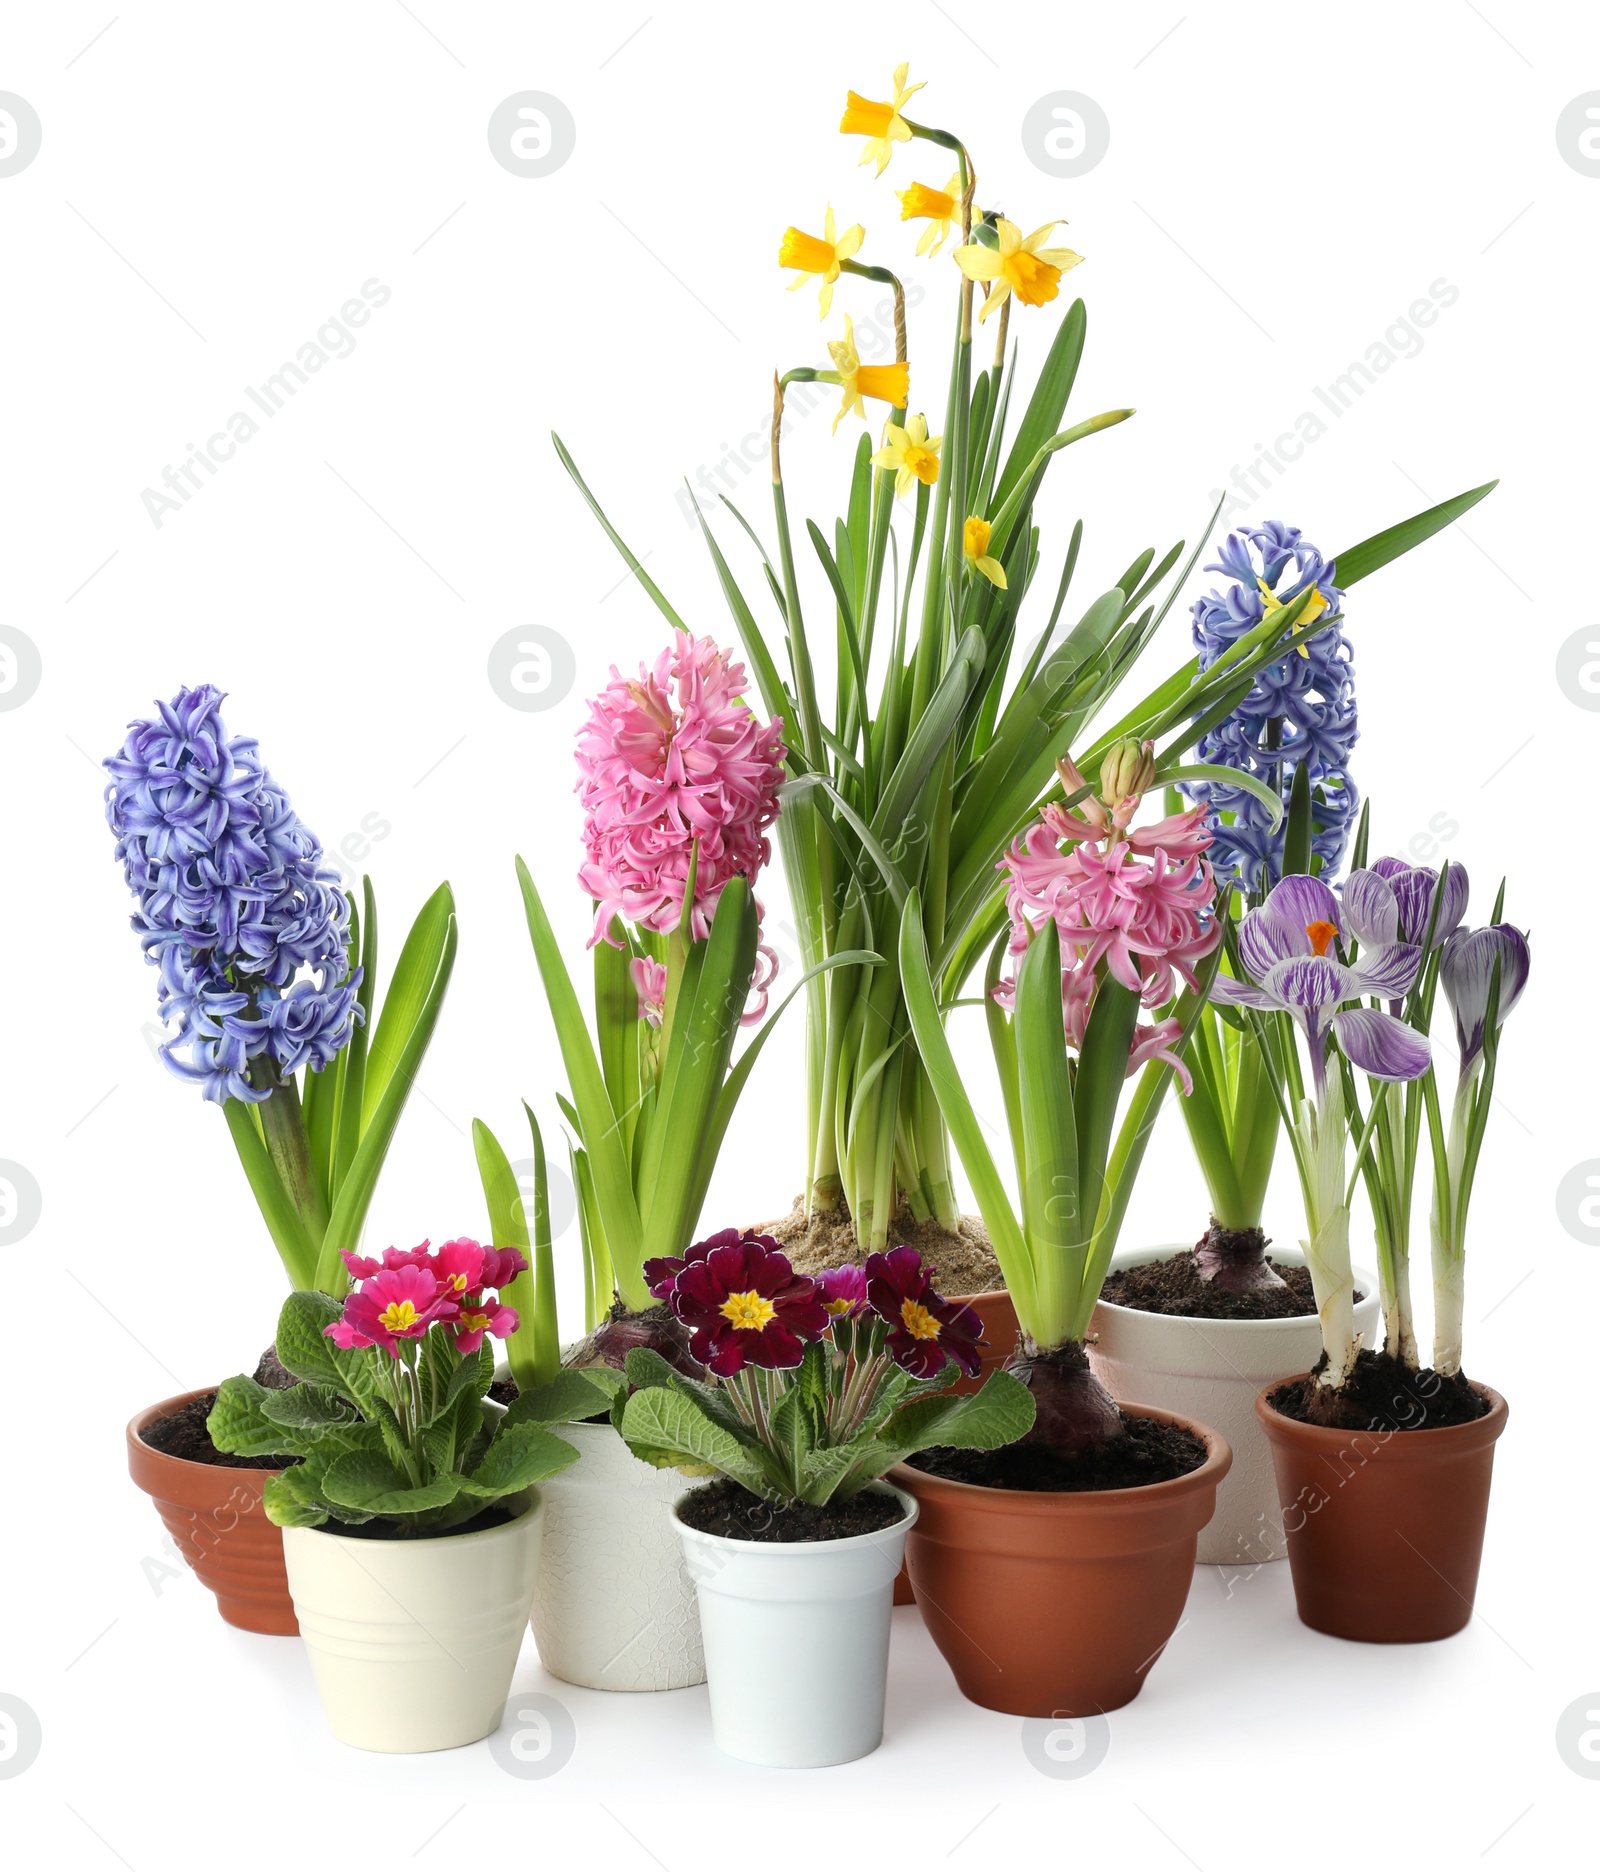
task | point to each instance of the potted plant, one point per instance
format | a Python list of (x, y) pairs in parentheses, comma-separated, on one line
[(678, 779), (1200, 1330), (1051, 1574), (815, 1390), (1383, 1466), (268, 983), (614, 1608), (932, 741), (410, 1514)]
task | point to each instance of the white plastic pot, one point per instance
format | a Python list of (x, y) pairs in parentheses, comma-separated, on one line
[(413, 1642), (797, 1640), (1212, 1370), (615, 1607)]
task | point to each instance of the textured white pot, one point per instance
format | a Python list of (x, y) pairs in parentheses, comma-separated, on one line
[(413, 1642), (615, 1607), (797, 1641), (1212, 1370)]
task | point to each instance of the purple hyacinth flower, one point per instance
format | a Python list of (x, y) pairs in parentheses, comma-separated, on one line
[(1290, 946), (1467, 970), (248, 929), (1300, 710), (1391, 901)]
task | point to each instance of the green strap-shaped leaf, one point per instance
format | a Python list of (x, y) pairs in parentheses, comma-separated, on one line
[(409, 992), (1010, 1247), (353, 1060), (1359, 562), (603, 1141), (1042, 418), (295, 1247)]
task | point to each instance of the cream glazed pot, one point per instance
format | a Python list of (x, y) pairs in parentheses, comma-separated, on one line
[(413, 1642), (1212, 1370), (615, 1608)]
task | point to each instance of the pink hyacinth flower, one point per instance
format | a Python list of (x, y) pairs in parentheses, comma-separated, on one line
[(1137, 899), (650, 981), (671, 762)]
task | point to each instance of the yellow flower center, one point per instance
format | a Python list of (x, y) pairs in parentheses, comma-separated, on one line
[(398, 1316), (1033, 280), (838, 1306), (863, 117), (474, 1322), (1322, 935), (805, 252), (747, 1312), (923, 463), (918, 1321), (975, 537)]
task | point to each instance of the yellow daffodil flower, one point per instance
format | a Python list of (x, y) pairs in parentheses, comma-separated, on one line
[(975, 544), (1316, 604), (819, 259), (940, 208), (880, 124), (890, 383), (1025, 267), (911, 452)]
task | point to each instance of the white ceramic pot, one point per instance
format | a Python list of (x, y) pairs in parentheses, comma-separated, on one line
[(615, 1607), (413, 1642), (1212, 1370), (797, 1640)]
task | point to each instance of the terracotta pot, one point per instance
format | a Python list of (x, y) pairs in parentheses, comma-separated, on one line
[(999, 1318), (1058, 1604), (216, 1517), (1385, 1526), (1212, 1369)]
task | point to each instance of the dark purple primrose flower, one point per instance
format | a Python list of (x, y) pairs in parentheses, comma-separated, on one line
[(1285, 948), (1391, 901), (234, 902), (660, 1271), (925, 1328), (745, 1305), (1467, 970), (844, 1291)]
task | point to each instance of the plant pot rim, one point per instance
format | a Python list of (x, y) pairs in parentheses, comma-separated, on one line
[(140, 1451), (1219, 1459), (424, 1542), (1414, 1443), (1365, 1282), (882, 1486)]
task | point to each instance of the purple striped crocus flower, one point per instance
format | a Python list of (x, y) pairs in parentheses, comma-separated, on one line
[(1467, 970), (1291, 947)]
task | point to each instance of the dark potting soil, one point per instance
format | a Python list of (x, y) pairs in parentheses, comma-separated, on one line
[(1147, 1451), (380, 1528), (727, 1509), (1174, 1287), (1381, 1394), (184, 1435)]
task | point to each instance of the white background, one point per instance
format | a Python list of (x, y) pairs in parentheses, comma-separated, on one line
[(1282, 183)]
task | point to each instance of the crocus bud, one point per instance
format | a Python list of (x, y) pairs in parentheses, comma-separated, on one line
[(1127, 772)]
